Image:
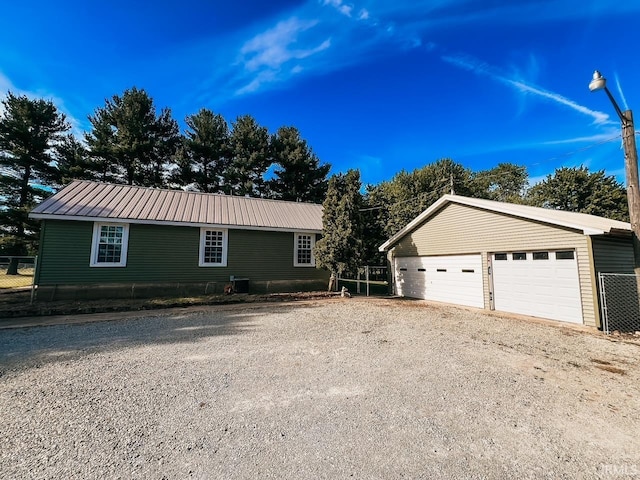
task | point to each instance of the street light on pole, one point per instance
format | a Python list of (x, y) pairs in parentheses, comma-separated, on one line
[(630, 165)]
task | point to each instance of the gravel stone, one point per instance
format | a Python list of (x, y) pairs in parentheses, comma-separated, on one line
[(338, 388)]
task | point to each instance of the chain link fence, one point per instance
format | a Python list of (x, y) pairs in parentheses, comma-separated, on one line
[(619, 301), (16, 273)]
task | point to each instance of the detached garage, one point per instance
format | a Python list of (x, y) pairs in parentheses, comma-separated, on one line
[(507, 257)]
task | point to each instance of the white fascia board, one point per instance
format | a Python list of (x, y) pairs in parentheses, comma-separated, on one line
[(509, 211), (48, 216), (481, 205)]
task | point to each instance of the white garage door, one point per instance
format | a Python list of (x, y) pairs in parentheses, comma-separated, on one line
[(541, 284), (452, 279)]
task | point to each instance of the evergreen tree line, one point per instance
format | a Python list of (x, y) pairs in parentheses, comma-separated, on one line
[(130, 142)]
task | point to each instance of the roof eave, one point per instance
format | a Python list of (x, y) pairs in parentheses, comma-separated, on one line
[(48, 216), (619, 232)]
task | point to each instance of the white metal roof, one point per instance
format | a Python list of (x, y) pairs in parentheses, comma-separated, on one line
[(587, 224), (93, 201)]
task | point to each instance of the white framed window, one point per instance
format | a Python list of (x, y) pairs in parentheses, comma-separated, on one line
[(213, 247), (109, 245), (303, 250)]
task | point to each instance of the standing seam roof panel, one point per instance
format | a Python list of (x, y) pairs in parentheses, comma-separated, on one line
[(169, 213), (76, 204), (110, 202), (159, 204), (127, 212), (105, 207), (90, 207), (190, 208), (263, 212), (143, 207), (63, 200)]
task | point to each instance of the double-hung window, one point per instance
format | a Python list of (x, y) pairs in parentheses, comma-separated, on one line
[(109, 245), (303, 250), (213, 247)]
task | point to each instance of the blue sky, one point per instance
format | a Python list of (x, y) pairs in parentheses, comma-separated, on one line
[(375, 85)]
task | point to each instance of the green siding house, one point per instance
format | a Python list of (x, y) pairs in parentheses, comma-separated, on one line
[(102, 240)]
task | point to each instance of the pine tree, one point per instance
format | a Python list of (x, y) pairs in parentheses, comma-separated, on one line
[(250, 158), (72, 162), (340, 249), (129, 143), (205, 153), (298, 175), (29, 131)]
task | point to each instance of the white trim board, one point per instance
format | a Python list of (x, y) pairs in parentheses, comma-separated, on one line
[(48, 216)]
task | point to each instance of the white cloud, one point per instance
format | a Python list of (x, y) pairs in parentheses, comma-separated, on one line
[(624, 100), (260, 79), (265, 56), (598, 117), (7, 85), (598, 138), (481, 68), (353, 31), (339, 5), (273, 48)]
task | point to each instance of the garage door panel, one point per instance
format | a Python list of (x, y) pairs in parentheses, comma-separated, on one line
[(547, 288), (410, 282), (452, 279), (459, 283)]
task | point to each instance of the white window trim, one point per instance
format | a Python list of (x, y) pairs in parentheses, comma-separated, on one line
[(295, 249), (225, 245), (96, 238)]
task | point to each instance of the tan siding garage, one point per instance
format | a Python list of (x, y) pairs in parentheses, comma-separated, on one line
[(460, 226)]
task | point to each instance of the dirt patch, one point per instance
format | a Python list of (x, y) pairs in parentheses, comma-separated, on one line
[(608, 367), (612, 369)]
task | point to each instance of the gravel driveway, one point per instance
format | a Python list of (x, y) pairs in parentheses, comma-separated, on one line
[(345, 388)]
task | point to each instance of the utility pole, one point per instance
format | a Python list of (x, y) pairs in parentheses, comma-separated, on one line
[(630, 166), (631, 173)]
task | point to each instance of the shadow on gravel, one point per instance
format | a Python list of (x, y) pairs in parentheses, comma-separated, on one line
[(37, 345)]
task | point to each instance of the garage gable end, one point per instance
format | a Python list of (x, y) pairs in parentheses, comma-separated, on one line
[(586, 224), (461, 229)]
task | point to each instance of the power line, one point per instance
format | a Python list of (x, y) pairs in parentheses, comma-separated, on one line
[(579, 150)]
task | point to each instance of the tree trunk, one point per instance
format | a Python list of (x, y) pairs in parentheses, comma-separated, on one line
[(12, 269)]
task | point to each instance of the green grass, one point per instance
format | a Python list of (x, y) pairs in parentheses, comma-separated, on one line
[(23, 279)]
